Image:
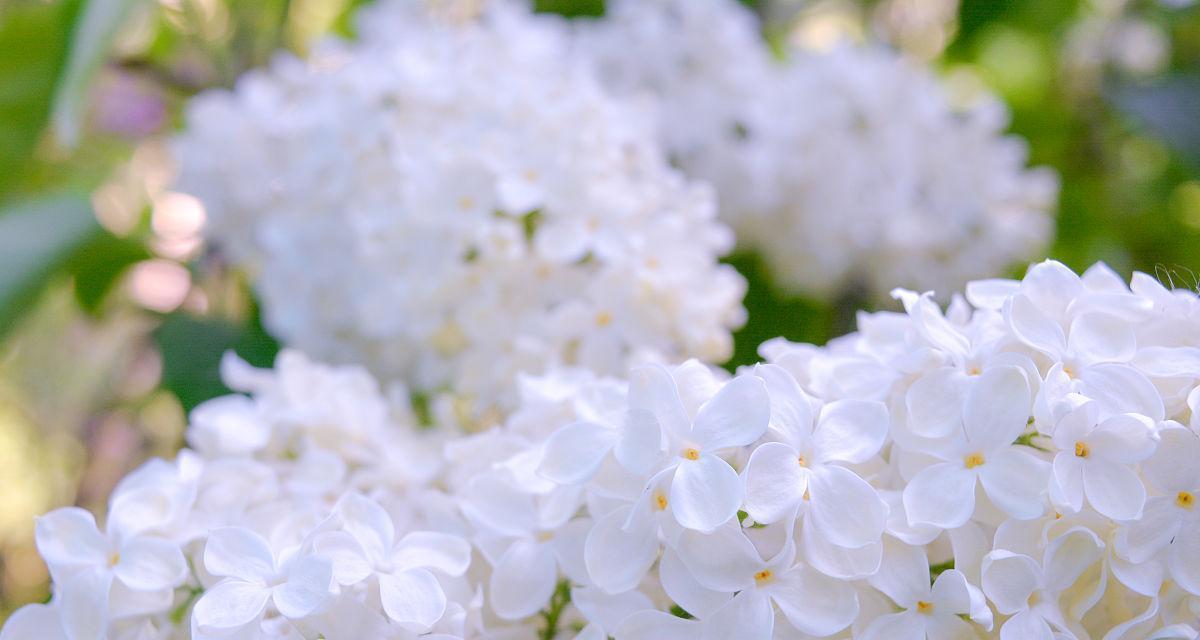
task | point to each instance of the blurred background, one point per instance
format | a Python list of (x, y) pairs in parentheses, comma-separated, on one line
[(113, 319)]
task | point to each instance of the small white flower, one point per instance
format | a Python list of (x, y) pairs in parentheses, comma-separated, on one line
[(995, 413), (1094, 458), (409, 592), (804, 468), (297, 585)]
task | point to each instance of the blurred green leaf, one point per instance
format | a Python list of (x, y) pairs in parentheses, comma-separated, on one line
[(33, 51), (37, 239), (571, 8), (192, 348), (98, 264), (1168, 108), (773, 314), (91, 40)]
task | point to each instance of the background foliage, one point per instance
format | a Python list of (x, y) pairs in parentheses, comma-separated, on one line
[(113, 319)]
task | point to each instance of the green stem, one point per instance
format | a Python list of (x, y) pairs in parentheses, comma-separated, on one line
[(552, 613)]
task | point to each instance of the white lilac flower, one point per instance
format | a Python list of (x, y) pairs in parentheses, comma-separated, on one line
[(844, 168), (480, 208), (1044, 493)]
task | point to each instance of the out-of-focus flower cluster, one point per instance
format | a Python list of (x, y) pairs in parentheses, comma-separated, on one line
[(848, 167), (1020, 465), (460, 205)]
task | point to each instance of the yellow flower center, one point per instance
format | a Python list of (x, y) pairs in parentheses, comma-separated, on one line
[(1185, 499), (603, 319), (660, 501), (466, 203), (973, 460), (802, 460), (1082, 450), (974, 370), (763, 577), (691, 453), (545, 536), (924, 607), (114, 558)]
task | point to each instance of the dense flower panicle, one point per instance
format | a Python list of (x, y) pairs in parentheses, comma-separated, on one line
[(479, 207), (1020, 465), (851, 167)]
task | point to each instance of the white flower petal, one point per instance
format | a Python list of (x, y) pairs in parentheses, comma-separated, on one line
[(1026, 625), (523, 580), (413, 598), (307, 589), (345, 554), (850, 431), (736, 416), (1113, 489), (1015, 481), (748, 616), (997, 409), (442, 551), (907, 625), (791, 410), (942, 495), (1184, 561), (839, 562), (229, 605), (845, 509), (1173, 466), (1069, 555), (705, 493), (682, 588), (1100, 337), (617, 559), (573, 454), (1168, 362), (903, 576), (493, 501), (652, 388), (1143, 538), (607, 609), (369, 523), (68, 537), (934, 403), (149, 564), (238, 552), (723, 560), (813, 603), (775, 482), (1009, 579), (1125, 438), (1120, 388), (1033, 327), (656, 625), (84, 603), (34, 621), (641, 441), (1067, 489)]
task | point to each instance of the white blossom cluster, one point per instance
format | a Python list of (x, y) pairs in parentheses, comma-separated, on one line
[(853, 166), (1022, 465), (457, 205)]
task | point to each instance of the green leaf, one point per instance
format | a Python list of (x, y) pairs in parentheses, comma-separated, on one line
[(91, 40), (1168, 109), (97, 265), (571, 8), (192, 348), (33, 52), (37, 239)]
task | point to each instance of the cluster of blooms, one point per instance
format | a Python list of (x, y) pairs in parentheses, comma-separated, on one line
[(458, 206), (1022, 466), (846, 167)]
